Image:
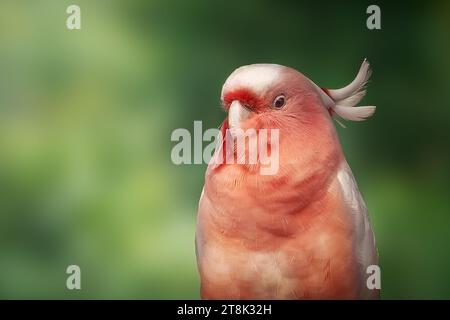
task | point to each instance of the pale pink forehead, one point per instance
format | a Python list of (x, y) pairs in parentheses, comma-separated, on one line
[(257, 77)]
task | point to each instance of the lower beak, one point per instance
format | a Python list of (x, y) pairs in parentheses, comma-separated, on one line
[(236, 114)]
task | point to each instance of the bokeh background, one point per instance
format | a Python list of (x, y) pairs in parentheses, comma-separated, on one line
[(86, 117)]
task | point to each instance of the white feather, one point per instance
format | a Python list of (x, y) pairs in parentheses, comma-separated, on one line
[(345, 99), (352, 100), (354, 113), (355, 87), (364, 241)]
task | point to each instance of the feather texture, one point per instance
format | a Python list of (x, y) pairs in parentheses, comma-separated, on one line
[(356, 86), (354, 114), (365, 248), (302, 232), (346, 98)]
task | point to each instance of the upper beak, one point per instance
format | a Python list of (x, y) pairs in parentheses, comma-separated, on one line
[(236, 114)]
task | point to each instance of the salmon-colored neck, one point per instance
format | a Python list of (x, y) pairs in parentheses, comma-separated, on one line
[(308, 157), (255, 207)]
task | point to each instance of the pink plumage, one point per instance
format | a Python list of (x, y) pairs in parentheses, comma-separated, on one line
[(303, 232)]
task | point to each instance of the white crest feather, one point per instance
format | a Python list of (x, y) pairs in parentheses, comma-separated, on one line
[(354, 114), (355, 87), (346, 98)]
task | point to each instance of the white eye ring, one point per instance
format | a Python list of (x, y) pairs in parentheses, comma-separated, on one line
[(279, 102)]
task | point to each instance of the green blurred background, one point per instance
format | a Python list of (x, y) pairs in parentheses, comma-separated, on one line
[(86, 117)]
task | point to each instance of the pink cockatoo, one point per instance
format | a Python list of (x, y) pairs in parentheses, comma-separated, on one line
[(303, 232)]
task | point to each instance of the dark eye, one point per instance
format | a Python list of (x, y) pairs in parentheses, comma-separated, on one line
[(279, 102)]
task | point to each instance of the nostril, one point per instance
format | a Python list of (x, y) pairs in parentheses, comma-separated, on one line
[(247, 106)]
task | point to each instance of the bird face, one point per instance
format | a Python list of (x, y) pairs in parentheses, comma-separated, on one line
[(260, 95)]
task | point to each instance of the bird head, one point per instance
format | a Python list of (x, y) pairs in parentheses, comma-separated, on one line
[(274, 95), (267, 95), (271, 96)]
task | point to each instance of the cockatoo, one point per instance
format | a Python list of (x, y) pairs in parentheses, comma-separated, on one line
[(303, 232)]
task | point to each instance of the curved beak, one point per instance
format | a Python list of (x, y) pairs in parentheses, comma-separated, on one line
[(236, 114)]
